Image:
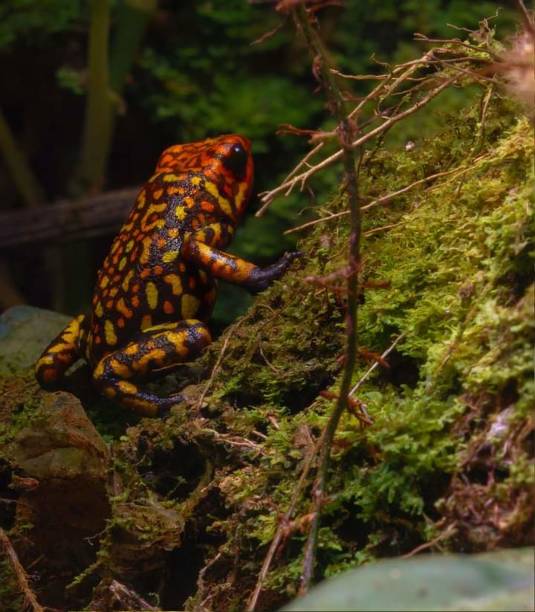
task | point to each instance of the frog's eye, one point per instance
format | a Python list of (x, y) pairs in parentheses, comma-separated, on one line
[(236, 161)]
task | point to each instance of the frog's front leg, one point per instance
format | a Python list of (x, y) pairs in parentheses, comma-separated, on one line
[(156, 349), (235, 269)]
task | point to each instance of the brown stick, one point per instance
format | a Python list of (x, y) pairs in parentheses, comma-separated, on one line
[(386, 125), (67, 220), (382, 200), (283, 522), (348, 154), (527, 17), (127, 598), (30, 600)]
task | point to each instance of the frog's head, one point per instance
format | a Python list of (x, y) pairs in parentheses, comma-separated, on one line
[(225, 160)]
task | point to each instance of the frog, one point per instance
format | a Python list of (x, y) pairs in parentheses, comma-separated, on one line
[(157, 286)]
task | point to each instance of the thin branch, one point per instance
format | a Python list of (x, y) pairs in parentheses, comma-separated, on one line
[(527, 17), (451, 41), (304, 161), (389, 83), (384, 355), (360, 77), (30, 600), (27, 184), (382, 200), (67, 219), (337, 215), (267, 197), (214, 369), (447, 533), (345, 130), (386, 88), (281, 527)]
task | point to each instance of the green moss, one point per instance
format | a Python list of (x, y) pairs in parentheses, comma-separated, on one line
[(455, 257)]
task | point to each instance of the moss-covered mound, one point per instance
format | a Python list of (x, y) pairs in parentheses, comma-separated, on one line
[(196, 498)]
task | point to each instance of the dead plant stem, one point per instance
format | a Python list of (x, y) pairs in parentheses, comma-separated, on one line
[(30, 600), (383, 127), (349, 157), (281, 528)]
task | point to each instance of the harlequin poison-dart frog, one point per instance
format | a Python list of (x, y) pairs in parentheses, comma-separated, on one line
[(157, 286)]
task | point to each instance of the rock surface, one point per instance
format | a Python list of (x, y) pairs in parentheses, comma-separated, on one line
[(54, 462)]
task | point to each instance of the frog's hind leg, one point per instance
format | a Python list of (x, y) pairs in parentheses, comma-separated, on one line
[(61, 354), (157, 348)]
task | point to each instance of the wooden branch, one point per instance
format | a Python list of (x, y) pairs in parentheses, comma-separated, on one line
[(118, 596), (30, 600), (348, 153), (268, 196), (385, 199), (67, 220), (282, 526)]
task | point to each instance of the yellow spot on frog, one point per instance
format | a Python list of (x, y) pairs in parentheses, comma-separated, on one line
[(127, 388), (98, 309), (180, 212), (170, 178), (104, 282), (99, 370), (144, 258), (240, 196), (196, 180), (129, 246), (121, 369), (189, 306), (224, 204), (109, 333), (157, 355), (169, 256), (123, 309), (175, 282), (146, 321), (152, 295), (126, 280), (122, 263)]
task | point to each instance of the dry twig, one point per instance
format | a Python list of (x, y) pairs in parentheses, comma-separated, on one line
[(282, 526), (383, 199), (269, 196), (346, 133), (30, 601)]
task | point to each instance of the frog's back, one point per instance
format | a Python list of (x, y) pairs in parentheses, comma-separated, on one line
[(144, 281)]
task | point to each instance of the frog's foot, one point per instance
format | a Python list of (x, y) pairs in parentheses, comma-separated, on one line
[(60, 355), (157, 348)]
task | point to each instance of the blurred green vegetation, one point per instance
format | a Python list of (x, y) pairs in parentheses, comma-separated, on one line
[(202, 68)]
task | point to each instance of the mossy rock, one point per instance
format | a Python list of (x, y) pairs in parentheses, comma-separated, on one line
[(24, 333)]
